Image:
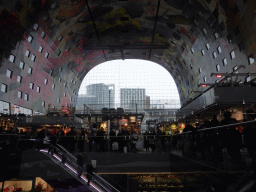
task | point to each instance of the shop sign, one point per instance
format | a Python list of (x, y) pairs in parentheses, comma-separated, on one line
[(99, 119), (132, 119)]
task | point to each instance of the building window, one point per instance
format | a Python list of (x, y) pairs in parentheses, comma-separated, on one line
[(58, 100), (43, 104), (219, 49), (74, 82), (218, 67), (40, 49), (33, 58), (59, 52), (70, 33), (38, 89), (232, 54), (216, 35), (207, 45), (241, 46), (45, 81), (60, 69), (65, 94), (22, 65), (52, 25), (27, 53), (214, 54), (26, 97), (35, 27), (46, 54), (251, 59), (224, 61), (19, 94), (51, 72), (19, 79), (60, 38), (43, 34), (59, 79), (204, 78), (192, 50), (65, 84), (53, 86), (31, 86), (235, 69), (191, 66), (30, 39), (4, 88), (230, 38), (200, 70), (30, 70), (12, 58), (202, 51), (9, 73), (45, 18), (204, 31), (248, 79)]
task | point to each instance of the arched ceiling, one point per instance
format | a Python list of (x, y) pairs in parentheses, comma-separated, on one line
[(183, 36)]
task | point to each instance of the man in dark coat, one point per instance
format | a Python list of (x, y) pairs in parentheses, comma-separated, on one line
[(89, 169)]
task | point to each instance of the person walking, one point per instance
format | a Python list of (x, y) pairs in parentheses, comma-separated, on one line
[(89, 170)]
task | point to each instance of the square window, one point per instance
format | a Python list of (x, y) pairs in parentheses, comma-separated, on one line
[(22, 65), (214, 54), (35, 27), (216, 35), (26, 97), (31, 85), (4, 88), (60, 38), (43, 104), (224, 61), (207, 45), (219, 49), (19, 94), (45, 81), (202, 51), (40, 49), (12, 58), (251, 59), (204, 78), (38, 89), (218, 67), (43, 34), (30, 70), (46, 54), (30, 39), (205, 31), (200, 70), (33, 58), (192, 50), (9, 73), (27, 53), (19, 79), (232, 54)]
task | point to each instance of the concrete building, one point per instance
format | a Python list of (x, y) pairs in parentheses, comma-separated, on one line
[(133, 98)]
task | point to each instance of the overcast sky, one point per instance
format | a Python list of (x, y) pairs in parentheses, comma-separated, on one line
[(132, 73)]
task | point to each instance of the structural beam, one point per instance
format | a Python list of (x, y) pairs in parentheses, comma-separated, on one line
[(123, 47)]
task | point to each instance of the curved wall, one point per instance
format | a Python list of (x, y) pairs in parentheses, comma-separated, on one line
[(64, 43)]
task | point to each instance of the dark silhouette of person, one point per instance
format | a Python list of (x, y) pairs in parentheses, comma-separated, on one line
[(72, 141), (112, 138), (80, 163), (90, 139), (189, 139), (53, 144), (80, 143), (60, 135), (89, 170), (40, 136)]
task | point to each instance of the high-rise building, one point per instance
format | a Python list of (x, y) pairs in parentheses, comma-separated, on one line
[(132, 98), (147, 101)]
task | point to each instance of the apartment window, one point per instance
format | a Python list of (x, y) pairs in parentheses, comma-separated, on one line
[(19, 94), (192, 50), (204, 78), (224, 61), (191, 66), (52, 25), (60, 69), (241, 46), (19, 79), (65, 94), (60, 38), (230, 38), (30, 39), (40, 49), (59, 79), (207, 45), (46, 54), (12, 58), (43, 34), (45, 18), (43, 104), (74, 82), (30, 70), (4, 88), (58, 100), (33, 58), (235, 69), (31, 85), (50, 73), (202, 51), (218, 67), (22, 65), (219, 49), (59, 52), (251, 59), (26, 97), (200, 70), (205, 31), (196, 22), (45, 81), (53, 86), (9, 73), (214, 54), (27, 53), (38, 89), (35, 27), (232, 54), (248, 79), (216, 35), (65, 84), (70, 98)]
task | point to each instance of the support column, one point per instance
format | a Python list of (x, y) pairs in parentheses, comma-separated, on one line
[(156, 183)]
